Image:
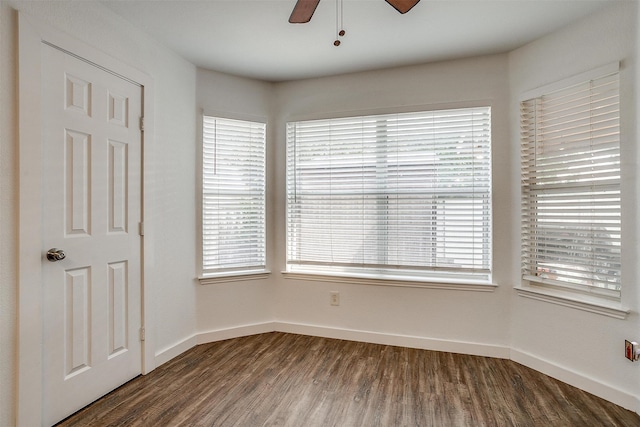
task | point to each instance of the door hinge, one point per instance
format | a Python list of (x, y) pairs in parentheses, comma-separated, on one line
[(141, 228), (142, 333), (142, 124)]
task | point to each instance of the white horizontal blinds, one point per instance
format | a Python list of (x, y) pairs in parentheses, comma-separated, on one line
[(394, 192), (571, 186), (233, 195)]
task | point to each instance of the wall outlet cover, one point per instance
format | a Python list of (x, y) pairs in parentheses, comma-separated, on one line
[(334, 298)]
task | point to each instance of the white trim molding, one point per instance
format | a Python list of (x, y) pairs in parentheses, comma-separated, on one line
[(592, 304), (237, 276), (175, 350), (422, 343), (168, 353), (575, 379), (402, 282), (462, 347), (236, 332)]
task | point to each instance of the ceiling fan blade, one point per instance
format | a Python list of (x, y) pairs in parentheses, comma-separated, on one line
[(403, 6), (303, 11)]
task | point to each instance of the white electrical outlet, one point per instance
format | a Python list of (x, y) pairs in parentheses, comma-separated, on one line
[(334, 298)]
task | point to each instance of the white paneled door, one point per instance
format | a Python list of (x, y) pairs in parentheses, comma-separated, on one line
[(91, 238)]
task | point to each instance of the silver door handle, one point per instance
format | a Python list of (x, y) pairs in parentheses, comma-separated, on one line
[(55, 254)]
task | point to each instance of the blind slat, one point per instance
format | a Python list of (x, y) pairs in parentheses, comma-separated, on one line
[(233, 195), (389, 193), (570, 155)]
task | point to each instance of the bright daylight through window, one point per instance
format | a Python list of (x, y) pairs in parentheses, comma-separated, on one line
[(391, 196), (233, 195), (571, 187)]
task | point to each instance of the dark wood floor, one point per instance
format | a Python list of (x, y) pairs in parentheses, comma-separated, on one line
[(280, 379)]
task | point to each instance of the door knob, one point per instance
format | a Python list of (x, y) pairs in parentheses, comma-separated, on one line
[(55, 254)]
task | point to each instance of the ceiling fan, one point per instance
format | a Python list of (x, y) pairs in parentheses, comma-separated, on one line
[(303, 10)]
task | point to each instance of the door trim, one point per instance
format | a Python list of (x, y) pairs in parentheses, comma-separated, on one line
[(32, 32)]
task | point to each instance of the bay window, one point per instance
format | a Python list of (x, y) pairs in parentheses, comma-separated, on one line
[(397, 195)]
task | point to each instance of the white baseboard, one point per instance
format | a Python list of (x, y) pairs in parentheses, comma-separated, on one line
[(396, 340), (607, 392), (163, 356), (235, 332), (177, 349), (337, 333), (597, 388)]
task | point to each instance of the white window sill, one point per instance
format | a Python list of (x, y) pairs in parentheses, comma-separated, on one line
[(236, 276), (592, 304), (391, 281)]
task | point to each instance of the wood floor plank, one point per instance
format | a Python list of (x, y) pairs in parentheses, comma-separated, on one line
[(280, 379)]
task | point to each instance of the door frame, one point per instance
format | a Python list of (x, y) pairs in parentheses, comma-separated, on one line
[(32, 33)]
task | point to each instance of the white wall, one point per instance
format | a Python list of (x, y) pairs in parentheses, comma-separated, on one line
[(433, 318), (170, 172), (232, 305), (574, 345)]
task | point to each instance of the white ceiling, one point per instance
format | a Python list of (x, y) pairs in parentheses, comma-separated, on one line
[(253, 38)]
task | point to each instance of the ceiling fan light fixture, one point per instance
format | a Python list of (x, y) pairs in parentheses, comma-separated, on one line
[(303, 10)]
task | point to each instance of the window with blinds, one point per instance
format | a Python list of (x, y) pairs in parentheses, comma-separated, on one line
[(391, 195), (571, 186), (233, 195)]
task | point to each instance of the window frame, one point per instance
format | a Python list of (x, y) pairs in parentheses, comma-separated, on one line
[(421, 279), (207, 277), (584, 297)]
